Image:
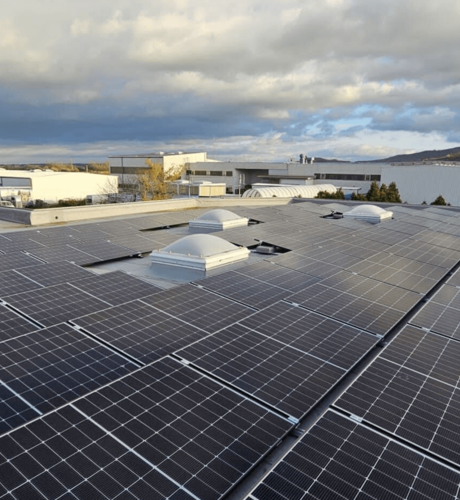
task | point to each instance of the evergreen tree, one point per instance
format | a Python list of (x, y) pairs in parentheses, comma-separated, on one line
[(393, 193), (358, 197), (374, 192), (383, 192), (326, 195), (439, 201)]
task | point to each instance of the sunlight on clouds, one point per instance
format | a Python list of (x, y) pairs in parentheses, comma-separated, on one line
[(79, 27)]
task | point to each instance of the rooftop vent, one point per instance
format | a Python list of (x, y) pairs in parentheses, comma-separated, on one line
[(218, 220), (368, 213)]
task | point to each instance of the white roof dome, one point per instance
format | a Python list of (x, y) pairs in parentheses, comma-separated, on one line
[(199, 252), (218, 219), (367, 210), (218, 215), (368, 213), (199, 245)]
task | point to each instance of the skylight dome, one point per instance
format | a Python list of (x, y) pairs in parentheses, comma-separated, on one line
[(218, 219), (369, 213), (200, 252)]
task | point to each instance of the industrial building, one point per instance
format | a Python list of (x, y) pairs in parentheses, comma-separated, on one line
[(29, 185), (417, 183), (126, 166), (327, 369)]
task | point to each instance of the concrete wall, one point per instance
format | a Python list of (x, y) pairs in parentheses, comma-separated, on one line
[(89, 212), (419, 183)]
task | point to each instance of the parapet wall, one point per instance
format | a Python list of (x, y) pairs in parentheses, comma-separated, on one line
[(61, 215)]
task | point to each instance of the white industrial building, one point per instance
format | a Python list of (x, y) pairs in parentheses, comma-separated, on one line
[(49, 186), (125, 166)]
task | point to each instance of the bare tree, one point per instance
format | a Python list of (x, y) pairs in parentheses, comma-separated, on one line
[(155, 183)]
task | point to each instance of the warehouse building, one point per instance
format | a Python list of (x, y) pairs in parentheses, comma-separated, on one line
[(24, 185), (125, 166)]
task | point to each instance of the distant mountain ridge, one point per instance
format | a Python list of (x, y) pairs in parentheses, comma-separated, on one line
[(452, 154)]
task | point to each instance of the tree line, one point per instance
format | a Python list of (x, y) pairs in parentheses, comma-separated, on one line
[(383, 193)]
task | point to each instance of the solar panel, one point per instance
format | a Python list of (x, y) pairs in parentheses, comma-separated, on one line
[(55, 304), (199, 307), (65, 455), (439, 239), (16, 261), (63, 253), (14, 411), (12, 325), (426, 252), (280, 375), (14, 282), (103, 250), (454, 280), (339, 458), (116, 287), (405, 273), (306, 265), (415, 407), (9, 246), (427, 353), (139, 330), (244, 289), (134, 242), (361, 302), (442, 313), (54, 273), (50, 367), (199, 434)]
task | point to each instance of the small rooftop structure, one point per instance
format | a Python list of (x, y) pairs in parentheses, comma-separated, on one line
[(218, 220), (196, 253), (369, 213)]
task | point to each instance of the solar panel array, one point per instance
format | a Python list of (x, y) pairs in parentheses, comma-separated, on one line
[(112, 387)]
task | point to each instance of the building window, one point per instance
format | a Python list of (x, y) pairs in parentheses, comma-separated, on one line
[(348, 177)]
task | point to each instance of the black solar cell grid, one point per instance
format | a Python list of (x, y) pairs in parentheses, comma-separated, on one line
[(282, 376), (413, 406), (395, 270), (426, 252), (442, 313), (439, 239), (53, 238), (312, 333), (454, 280), (116, 287), (329, 255), (16, 261), (103, 250), (357, 249), (427, 353), (147, 222), (8, 246), (14, 411), (340, 459), (117, 228), (439, 213), (361, 302), (198, 307), (53, 366), (63, 253), (244, 289), (160, 238), (12, 325), (197, 432), (140, 331), (134, 242), (55, 304), (54, 273), (306, 265), (14, 282), (66, 456), (280, 276)]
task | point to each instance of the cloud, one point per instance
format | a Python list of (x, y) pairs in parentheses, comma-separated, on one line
[(94, 71)]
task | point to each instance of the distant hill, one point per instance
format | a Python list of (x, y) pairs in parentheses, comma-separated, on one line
[(452, 154), (324, 160)]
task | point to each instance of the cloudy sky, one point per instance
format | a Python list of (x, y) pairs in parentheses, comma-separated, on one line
[(247, 79)]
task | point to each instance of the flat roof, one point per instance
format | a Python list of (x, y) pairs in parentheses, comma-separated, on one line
[(158, 154), (115, 383)]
